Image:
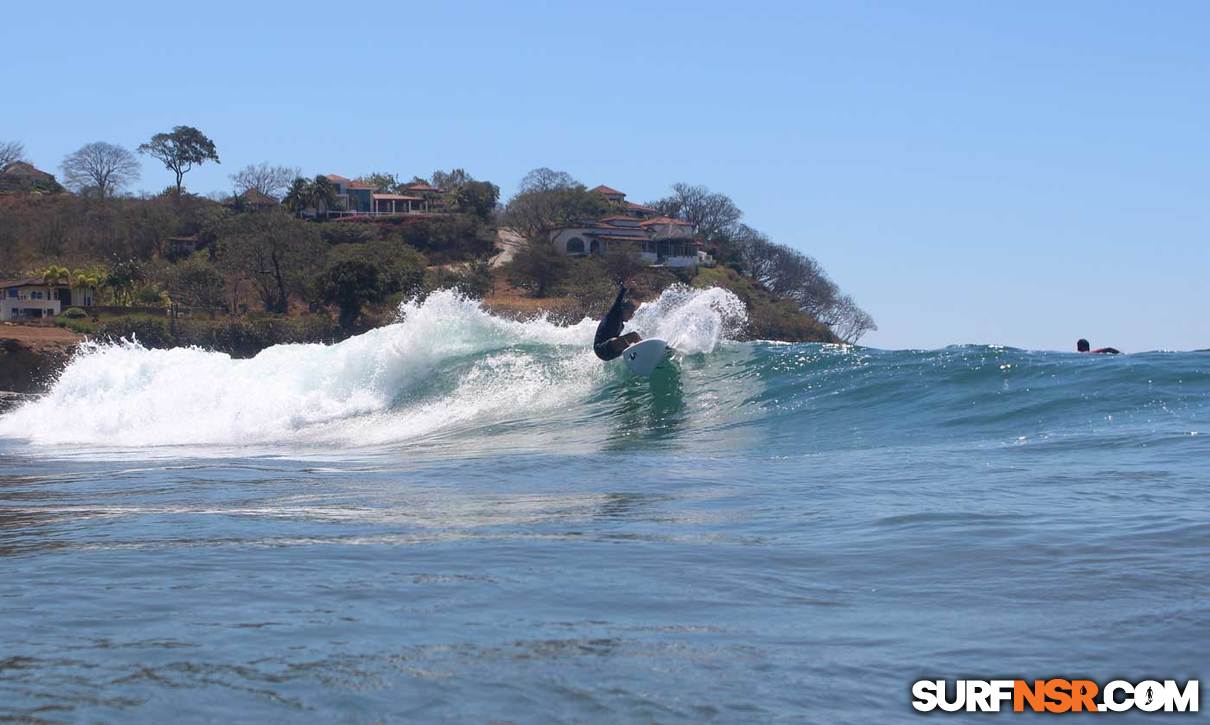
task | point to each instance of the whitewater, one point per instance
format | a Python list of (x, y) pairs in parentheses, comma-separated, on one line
[(464, 517)]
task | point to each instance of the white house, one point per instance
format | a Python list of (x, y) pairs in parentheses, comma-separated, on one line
[(34, 299), (657, 240)]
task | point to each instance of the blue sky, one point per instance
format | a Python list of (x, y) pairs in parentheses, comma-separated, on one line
[(1014, 173)]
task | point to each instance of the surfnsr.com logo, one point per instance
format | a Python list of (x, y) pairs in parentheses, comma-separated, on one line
[(1055, 695)]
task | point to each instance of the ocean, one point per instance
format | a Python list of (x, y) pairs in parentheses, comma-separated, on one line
[(464, 518)]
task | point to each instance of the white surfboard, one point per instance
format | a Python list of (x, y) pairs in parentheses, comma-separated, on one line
[(643, 357)]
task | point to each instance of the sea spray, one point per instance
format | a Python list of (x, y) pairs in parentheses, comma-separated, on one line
[(446, 362), (691, 320)]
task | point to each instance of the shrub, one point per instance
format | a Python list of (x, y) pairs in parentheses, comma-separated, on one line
[(75, 313), (84, 327), (149, 331), (247, 336), (347, 233), (476, 281)]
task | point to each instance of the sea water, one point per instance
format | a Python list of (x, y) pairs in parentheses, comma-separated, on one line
[(460, 517)]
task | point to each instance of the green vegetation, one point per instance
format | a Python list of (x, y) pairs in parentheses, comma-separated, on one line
[(239, 273), (769, 317)]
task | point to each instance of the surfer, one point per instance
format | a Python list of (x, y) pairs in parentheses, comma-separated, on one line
[(1083, 346), (610, 342)]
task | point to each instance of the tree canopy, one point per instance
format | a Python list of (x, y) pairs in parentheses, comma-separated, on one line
[(713, 215), (100, 168), (549, 200), (264, 178), (276, 253), (11, 151), (180, 150)]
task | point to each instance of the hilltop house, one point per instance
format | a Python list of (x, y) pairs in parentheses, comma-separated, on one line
[(20, 177), (657, 241), (253, 199), (354, 198), (637, 211), (35, 299)]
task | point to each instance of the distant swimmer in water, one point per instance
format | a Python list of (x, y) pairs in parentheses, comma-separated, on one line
[(1083, 346), (610, 342)]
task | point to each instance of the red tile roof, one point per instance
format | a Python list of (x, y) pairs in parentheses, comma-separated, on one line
[(664, 220), (336, 177), (632, 205), (602, 189), (252, 196), (27, 282), (421, 186)]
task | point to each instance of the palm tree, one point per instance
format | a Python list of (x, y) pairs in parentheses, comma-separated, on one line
[(87, 279), (323, 196), (55, 274), (298, 196)]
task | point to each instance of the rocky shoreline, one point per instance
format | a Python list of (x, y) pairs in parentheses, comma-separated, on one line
[(9, 399), (30, 358)]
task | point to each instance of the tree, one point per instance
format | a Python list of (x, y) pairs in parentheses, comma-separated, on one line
[(323, 194), (450, 180), (850, 322), (264, 178), (538, 267), (357, 275), (55, 274), (278, 253), (714, 216), (381, 181), (801, 279), (549, 200), (88, 278), (476, 197), (623, 264), (180, 150), (298, 196), (197, 283), (122, 279), (11, 151), (100, 168), (351, 282), (544, 179)]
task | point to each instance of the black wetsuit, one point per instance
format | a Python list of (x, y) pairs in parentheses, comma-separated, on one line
[(609, 329)]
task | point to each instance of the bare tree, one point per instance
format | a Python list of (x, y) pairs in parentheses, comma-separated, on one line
[(545, 179), (791, 274), (850, 322), (100, 168), (265, 178), (11, 151), (450, 180), (713, 215)]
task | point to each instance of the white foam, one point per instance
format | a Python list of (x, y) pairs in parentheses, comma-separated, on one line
[(447, 362)]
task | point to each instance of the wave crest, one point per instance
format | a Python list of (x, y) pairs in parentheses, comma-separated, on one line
[(446, 361)]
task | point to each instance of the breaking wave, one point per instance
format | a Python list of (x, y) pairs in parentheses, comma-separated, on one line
[(446, 362), (451, 377)]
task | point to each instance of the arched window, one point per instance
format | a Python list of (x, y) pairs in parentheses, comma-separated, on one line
[(594, 247), (575, 245)]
